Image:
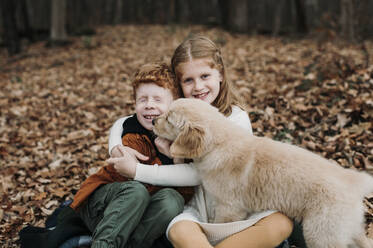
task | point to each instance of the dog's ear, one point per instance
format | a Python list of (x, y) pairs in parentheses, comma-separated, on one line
[(190, 143)]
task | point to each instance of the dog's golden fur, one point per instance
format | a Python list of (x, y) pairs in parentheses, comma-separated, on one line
[(249, 174)]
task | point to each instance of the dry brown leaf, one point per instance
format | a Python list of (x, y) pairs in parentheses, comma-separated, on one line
[(40, 196)]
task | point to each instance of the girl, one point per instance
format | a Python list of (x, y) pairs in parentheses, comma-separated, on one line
[(200, 73)]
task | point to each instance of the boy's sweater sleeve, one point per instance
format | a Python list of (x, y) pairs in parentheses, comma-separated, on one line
[(176, 175), (115, 137)]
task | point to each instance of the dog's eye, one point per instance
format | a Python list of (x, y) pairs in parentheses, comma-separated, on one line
[(168, 119)]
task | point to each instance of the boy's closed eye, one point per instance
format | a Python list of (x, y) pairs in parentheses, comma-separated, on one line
[(141, 99), (158, 99)]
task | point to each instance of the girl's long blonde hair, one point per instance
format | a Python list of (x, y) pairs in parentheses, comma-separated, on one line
[(200, 47)]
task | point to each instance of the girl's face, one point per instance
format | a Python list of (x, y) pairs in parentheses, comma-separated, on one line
[(199, 80)]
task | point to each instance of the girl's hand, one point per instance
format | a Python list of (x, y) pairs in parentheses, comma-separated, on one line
[(120, 150), (163, 146), (125, 165)]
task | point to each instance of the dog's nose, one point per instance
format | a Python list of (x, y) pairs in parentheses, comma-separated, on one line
[(153, 122)]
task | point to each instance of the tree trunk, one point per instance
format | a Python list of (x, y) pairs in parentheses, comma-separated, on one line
[(159, 11), (182, 11), (58, 24), (28, 31), (278, 17), (347, 19), (11, 36), (118, 12), (302, 26), (223, 5), (235, 14)]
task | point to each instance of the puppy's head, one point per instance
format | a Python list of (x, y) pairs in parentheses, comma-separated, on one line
[(185, 124)]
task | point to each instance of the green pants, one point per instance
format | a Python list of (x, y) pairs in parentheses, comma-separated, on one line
[(123, 214)]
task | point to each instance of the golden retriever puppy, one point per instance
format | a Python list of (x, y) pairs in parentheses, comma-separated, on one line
[(248, 174)]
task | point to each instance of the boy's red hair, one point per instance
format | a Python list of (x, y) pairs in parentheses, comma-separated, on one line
[(156, 73)]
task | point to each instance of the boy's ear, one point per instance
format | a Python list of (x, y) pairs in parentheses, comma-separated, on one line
[(190, 143)]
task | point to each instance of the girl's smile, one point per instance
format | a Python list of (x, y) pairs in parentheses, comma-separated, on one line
[(201, 96), (199, 80)]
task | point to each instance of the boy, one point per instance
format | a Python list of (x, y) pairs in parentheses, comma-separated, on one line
[(125, 213)]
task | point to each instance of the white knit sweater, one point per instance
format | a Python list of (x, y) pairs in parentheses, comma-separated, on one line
[(200, 208)]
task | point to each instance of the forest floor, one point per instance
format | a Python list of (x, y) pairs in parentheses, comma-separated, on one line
[(58, 104)]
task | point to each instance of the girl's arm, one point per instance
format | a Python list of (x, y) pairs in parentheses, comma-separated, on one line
[(164, 175), (241, 118), (168, 175), (115, 137), (182, 174)]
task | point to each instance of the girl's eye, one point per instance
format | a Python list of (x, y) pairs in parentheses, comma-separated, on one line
[(157, 99), (142, 99), (204, 76), (187, 80)]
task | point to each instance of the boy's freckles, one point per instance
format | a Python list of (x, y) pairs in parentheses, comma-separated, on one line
[(151, 101)]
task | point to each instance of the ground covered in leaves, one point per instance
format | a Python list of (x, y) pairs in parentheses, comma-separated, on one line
[(57, 106)]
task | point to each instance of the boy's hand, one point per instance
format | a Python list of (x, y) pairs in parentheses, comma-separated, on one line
[(115, 152), (120, 150), (125, 165), (163, 146)]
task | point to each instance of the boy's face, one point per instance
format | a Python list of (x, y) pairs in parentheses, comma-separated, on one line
[(151, 101)]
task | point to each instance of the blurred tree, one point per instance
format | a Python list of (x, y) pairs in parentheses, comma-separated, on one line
[(182, 11), (81, 17), (302, 26), (234, 14), (28, 31), (364, 21), (351, 18), (118, 16), (347, 19), (58, 35), (10, 34), (161, 11), (278, 16), (300, 12)]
